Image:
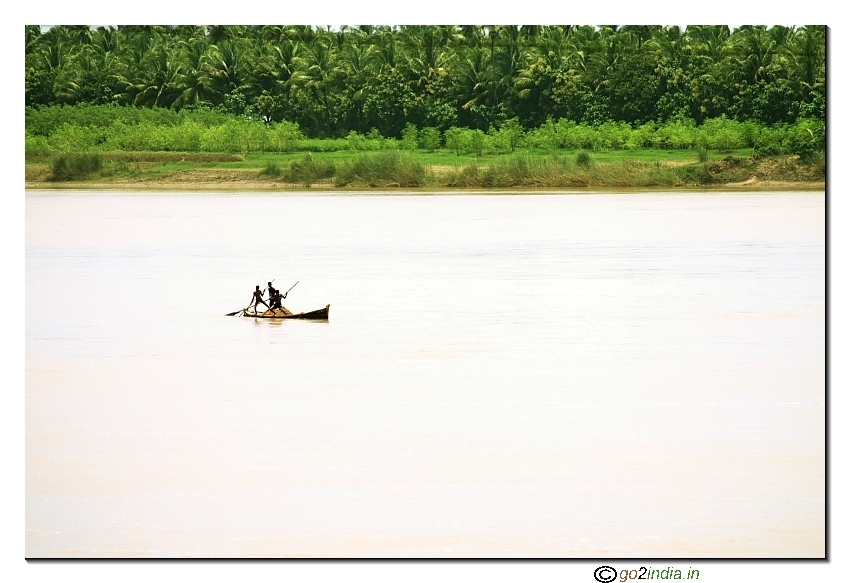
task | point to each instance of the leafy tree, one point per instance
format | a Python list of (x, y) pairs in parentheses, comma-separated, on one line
[(472, 76)]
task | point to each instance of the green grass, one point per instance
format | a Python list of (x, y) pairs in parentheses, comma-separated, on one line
[(448, 158), (184, 160), (535, 168), (383, 169), (584, 159), (271, 169), (66, 167), (401, 170), (307, 170), (559, 171)]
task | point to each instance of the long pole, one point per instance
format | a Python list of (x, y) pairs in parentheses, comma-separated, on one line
[(290, 289)]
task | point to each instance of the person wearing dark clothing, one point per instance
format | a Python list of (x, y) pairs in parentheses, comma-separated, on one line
[(275, 300)]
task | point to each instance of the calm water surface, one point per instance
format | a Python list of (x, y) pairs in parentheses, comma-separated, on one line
[(553, 375)]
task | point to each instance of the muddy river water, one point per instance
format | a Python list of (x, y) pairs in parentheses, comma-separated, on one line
[(626, 375)]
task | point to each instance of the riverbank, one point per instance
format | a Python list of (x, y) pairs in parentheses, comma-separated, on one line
[(259, 187), (393, 170)]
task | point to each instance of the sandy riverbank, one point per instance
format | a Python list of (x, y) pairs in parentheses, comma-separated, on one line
[(328, 187), (731, 174)]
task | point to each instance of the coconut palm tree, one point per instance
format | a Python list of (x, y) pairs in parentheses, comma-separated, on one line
[(161, 85), (314, 78), (756, 53), (193, 81), (226, 69)]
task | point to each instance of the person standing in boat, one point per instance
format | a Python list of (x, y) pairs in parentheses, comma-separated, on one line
[(257, 299), (272, 292)]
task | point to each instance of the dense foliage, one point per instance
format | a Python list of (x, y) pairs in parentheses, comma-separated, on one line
[(432, 82), (82, 128)]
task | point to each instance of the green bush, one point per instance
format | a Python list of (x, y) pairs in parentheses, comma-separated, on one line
[(611, 136), (36, 146), (306, 170), (386, 168), (454, 140), (806, 138), (188, 136), (725, 135), (584, 159), (508, 136), (271, 170), (409, 137), (43, 121), (555, 171), (230, 137), (429, 138), (284, 136), (467, 141), (86, 128), (770, 141), (640, 137), (478, 140), (71, 138), (470, 175), (678, 134), (356, 141), (75, 166), (324, 145), (544, 137)]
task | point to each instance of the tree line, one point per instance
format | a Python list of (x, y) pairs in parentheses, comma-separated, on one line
[(362, 78)]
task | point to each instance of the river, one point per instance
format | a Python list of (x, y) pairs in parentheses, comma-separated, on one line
[(552, 375)]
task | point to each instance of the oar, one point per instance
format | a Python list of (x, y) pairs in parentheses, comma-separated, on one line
[(290, 289)]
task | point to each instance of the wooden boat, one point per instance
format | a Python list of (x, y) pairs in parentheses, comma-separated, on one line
[(285, 314)]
